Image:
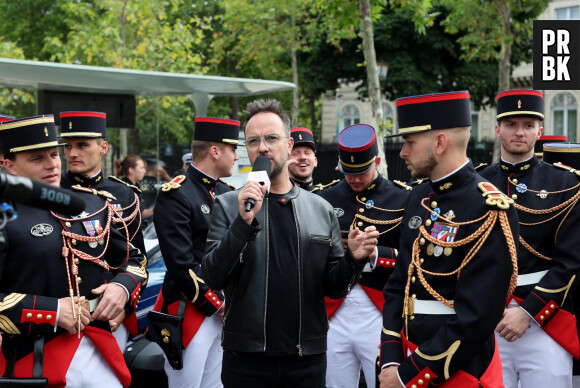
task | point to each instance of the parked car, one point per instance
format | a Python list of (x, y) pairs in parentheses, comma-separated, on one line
[(143, 357)]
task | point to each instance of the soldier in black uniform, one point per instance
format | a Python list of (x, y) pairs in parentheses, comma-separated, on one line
[(182, 217), (56, 295), (302, 161), (84, 134), (457, 260), (361, 199), (538, 335)]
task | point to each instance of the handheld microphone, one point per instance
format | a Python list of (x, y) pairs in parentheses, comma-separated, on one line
[(261, 174), (37, 194)]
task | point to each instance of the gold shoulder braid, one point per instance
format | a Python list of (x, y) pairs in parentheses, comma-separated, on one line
[(175, 183), (108, 196), (72, 256), (564, 207), (395, 221), (126, 221), (567, 168), (226, 183), (403, 185), (135, 188), (479, 237)]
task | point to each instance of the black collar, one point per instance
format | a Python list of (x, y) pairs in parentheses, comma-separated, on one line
[(374, 186), (201, 177), (518, 168), (455, 180), (302, 184), (79, 179), (285, 199)]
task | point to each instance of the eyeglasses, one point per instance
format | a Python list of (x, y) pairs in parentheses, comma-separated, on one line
[(270, 141)]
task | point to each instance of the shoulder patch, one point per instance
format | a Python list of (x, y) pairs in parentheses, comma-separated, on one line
[(567, 168), (175, 183), (226, 183), (102, 193), (403, 185), (114, 178), (494, 197), (481, 166), (320, 186)]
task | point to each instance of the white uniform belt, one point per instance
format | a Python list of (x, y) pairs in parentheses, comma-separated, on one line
[(530, 278), (432, 307)]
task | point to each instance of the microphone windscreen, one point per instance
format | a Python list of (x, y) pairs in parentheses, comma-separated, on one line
[(262, 163)]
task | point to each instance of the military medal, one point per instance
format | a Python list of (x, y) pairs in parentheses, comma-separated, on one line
[(205, 209), (444, 232), (543, 194), (435, 214), (438, 250), (370, 203), (521, 188), (415, 222), (447, 251), (118, 209), (449, 215), (430, 249)]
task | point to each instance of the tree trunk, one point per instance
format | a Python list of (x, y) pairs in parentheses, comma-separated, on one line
[(504, 66), (312, 106), (368, 44), (133, 141)]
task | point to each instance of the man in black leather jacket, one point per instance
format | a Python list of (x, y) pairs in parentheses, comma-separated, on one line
[(276, 263)]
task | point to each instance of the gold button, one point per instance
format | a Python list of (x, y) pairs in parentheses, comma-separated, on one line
[(421, 261), (552, 306), (427, 376), (428, 222), (79, 280), (515, 181), (218, 302), (393, 264), (414, 296), (413, 279), (76, 260), (361, 210), (48, 317), (541, 317), (67, 224), (421, 382), (209, 294), (74, 242), (547, 312), (214, 298), (29, 315), (39, 316), (363, 199), (434, 204), (413, 386), (382, 262), (422, 241), (514, 196), (360, 224)]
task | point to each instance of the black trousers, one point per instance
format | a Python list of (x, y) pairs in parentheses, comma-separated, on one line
[(254, 370)]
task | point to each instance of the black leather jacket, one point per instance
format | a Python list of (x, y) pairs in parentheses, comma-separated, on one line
[(237, 260)]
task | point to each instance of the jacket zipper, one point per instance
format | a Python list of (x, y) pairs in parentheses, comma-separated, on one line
[(240, 258), (267, 267), (299, 346)]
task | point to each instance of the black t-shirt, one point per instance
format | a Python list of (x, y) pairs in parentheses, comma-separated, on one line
[(283, 299)]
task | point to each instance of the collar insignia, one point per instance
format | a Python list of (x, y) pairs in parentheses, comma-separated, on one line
[(445, 186)]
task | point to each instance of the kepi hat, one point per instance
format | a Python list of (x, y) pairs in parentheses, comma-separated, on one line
[(357, 149), (217, 130)]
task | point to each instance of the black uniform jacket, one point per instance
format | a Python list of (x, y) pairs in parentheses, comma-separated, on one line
[(308, 186), (463, 340), (127, 199), (381, 204), (552, 236), (237, 260), (182, 217), (33, 270)]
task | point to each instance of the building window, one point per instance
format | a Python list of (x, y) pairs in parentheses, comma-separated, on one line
[(388, 117), (564, 115), (350, 115), (567, 13)]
